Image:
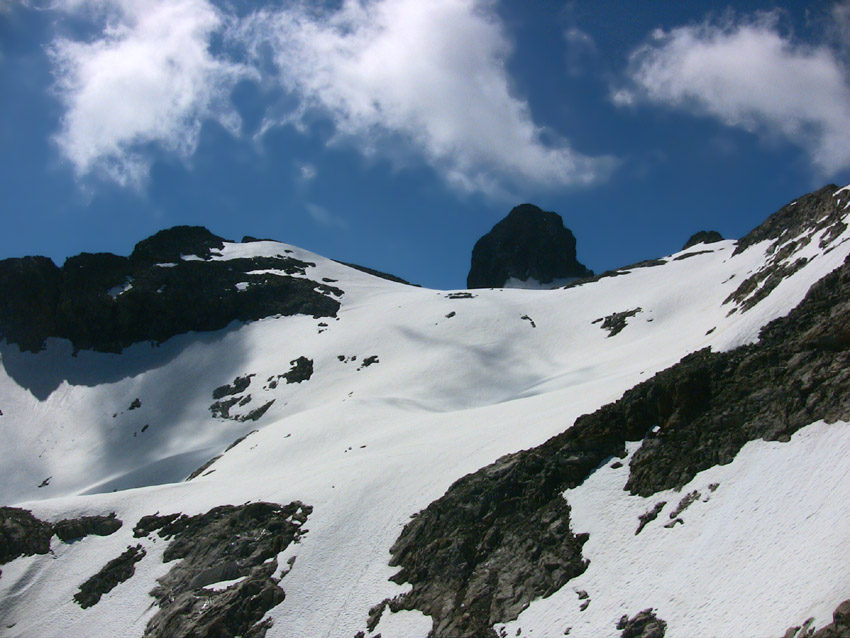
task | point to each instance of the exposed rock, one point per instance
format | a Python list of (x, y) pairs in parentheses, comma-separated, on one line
[(838, 628), (22, 534), (221, 409), (495, 541), (153, 522), (302, 370), (240, 384), (790, 230), (619, 272), (105, 302), (821, 209), (368, 361), (647, 517), (527, 244), (256, 413), (29, 293), (500, 537), (692, 254), (688, 500), (110, 576), (171, 244), (530, 320), (227, 543), (614, 323), (71, 529), (703, 237), (644, 624)]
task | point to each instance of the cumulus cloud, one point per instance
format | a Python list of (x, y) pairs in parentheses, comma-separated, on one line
[(431, 74), (747, 73), (147, 78)]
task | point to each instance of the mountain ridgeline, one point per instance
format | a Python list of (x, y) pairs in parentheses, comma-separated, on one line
[(656, 451)]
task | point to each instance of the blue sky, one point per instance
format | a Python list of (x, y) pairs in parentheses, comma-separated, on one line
[(394, 133)]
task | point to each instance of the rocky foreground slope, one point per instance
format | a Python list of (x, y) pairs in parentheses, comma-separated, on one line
[(661, 450)]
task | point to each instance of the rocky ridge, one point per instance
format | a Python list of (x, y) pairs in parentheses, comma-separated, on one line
[(501, 537), (169, 285)]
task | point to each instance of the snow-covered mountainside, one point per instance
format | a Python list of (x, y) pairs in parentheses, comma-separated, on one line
[(661, 450)]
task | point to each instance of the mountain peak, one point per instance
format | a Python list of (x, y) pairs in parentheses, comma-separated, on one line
[(529, 244)]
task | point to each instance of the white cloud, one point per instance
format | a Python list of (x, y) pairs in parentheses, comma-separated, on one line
[(748, 74), (429, 73), (324, 218), (581, 51), (307, 171), (147, 77)]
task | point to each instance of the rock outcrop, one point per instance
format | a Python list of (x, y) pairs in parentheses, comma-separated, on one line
[(169, 285), (234, 545), (703, 237), (528, 244), (501, 536)]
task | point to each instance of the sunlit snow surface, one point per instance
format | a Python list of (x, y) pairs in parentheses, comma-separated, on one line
[(458, 383)]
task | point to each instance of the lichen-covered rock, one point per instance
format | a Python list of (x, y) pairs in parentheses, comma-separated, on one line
[(527, 244)]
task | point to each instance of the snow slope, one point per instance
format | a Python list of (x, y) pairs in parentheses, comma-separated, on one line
[(456, 380)]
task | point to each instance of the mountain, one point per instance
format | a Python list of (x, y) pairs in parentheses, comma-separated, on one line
[(530, 248), (661, 450)]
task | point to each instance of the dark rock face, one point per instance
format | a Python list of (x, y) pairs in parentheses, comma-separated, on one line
[(226, 543), (29, 294), (73, 528), (643, 625), (838, 628), (105, 302), (302, 370), (501, 536), (22, 534), (616, 322), (789, 230), (527, 244), (820, 209), (498, 539), (703, 237), (113, 574)]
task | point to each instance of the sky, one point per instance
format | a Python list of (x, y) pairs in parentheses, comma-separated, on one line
[(394, 133)]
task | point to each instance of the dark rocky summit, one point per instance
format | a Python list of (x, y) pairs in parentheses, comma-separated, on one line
[(527, 244), (703, 237), (501, 536), (106, 302)]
